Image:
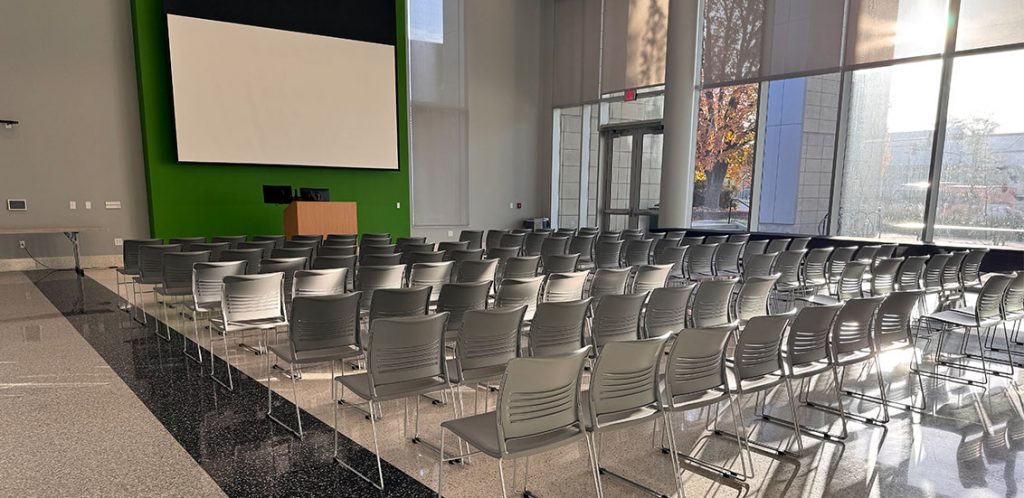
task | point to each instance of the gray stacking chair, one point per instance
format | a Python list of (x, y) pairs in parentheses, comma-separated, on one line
[(759, 265), (312, 243), (752, 299), (558, 328), (630, 234), (637, 252), (521, 267), (711, 305), (564, 286), (232, 240), (695, 377), (666, 310), (519, 292), (609, 236), (553, 246), (837, 262), (489, 339), (534, 243), (263, 245), (778, 245), (560, 263), (341, 239), (420, 253), (970, 269), (371, 278), (448, 246), (477, 271), (1013, 303), (691, 241), (583, 244), (675, 235), (405, 358), (377, 249), (503, 254), (251, 257), (700, 261), (207, 291), (933, 278), (799, 243), (458, 256), (151, 264), (432, 275), (884, 251), (319, 282), (130, 265), (649, 277), (727, 258), (397, 302), (249, 302), (323, 329), (752, 248), (757, 366), (186, 242), (214, 248), (278, 240), (589, 231), (883, 276), (848, 287), (306, 253), (607, 253), (608, 281), (176, 282), (908, 278), (815, 270), (493, 238), (287, 266), (337, 251), (473, 237), (375, 239), (412, 244), (716, 239), (538, 410), (624, 391), (328, 262), (675, 256), (457, 299), (381, 259), (661, 245), (952, 287), (513, 239), (616, 318), (789, 266), (738, 237)]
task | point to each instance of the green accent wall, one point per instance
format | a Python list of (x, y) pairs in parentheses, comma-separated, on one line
[(217, 199)]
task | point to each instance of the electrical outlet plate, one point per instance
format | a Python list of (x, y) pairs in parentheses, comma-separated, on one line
[(118, 241), (112, 204), (21, 244), (88, 204), (72, 205), (451, 233)]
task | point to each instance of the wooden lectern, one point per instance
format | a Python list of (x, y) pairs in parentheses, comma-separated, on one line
[(320, 218)]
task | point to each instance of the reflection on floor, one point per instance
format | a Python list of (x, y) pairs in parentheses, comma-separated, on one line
[(978, 432)]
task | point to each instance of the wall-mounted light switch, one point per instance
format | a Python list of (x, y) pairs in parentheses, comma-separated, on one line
[(72, 205), (88, 204)]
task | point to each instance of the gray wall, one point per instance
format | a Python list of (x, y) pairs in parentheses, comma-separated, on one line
[(67, 72), (509, 115)]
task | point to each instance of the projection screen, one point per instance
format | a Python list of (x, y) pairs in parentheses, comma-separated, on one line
[(266, 87)]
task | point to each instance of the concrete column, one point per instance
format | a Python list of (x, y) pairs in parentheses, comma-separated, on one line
[(682, 69)]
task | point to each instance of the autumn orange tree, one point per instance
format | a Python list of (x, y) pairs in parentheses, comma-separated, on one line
[(726, 133)]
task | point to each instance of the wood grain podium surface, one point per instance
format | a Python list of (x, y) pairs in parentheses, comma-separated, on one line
[(320, 218)]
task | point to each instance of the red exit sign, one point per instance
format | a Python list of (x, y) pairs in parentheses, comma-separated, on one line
[(630, 95)]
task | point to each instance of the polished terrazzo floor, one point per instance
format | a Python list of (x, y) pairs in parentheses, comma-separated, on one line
[(967, 443)]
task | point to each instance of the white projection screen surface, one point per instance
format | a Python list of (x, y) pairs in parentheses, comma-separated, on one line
[(257, 95)]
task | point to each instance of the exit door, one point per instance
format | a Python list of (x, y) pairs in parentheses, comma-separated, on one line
[(632, 174)]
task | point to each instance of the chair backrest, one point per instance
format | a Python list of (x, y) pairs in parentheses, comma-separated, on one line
[(178, 267), (565, 286), (909, 276), (371, 278), (539, 396), (502, 254), (313, 243), (459, 255), (130, 253), (253, 297), (557, 327), (432, 275), (778, 245), (758, 265), (866, 253), (457, 299), (650, 277), (675, 256), (617, 318), (885, 251), (666, 310), (759, 348), (328, 262), (716, 239), (700, 260), (232, 240), (519, 292), (583, 244), (752, 298), (727, 258), (264, 246), (990, 299), (851, 281), (331, 250), (278, 240), (711, 303), (375, 239), (691, 241), (934, 269), (738, 237), (1013, 300), (554, 245), (816, 265), (306, 253), (851, 330), (951, 272), (754, 247), (324, 322), (560, 263), (413, 243), (609, 235), (319, 282), (473, 237), (208, 280), (799, 243), (405, 349), (214, 248), (151, 259), (412, 258), (251, 257), (488, 340), (808, 334), (448, 246), (389, 303), (341, 239), (609, 281), (471, 271), (392, 259), (638, 252), (589, 231), (632, 234), (566, 232), (883, 276), (607, 253), (286, 266), (186, 242), (788, 266), (661, 245), (970, 270), (377, 249), (696, 362), (625, 379), (892, 321), (535, 242), (494, 238), (513, 239), (521, 267), (676, 235), (837, 262)]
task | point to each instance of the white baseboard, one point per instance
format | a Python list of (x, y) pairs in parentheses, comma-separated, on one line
[(61, 262)]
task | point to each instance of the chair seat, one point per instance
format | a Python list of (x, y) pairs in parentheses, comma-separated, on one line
[(753, 384), (820, 300), (360, 385), (788, 286), (131, 272), (203, 307), (850, 358), (809, 369), (696, 400), (481, 432), (617, 420), (961, 318), (474, 375), (284, 351), (266, 323), (148, 280), (180, 291)]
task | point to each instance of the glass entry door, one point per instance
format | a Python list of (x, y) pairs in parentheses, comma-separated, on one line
[(632, 174)]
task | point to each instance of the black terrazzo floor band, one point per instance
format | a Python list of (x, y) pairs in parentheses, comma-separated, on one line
[(226, 432)]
